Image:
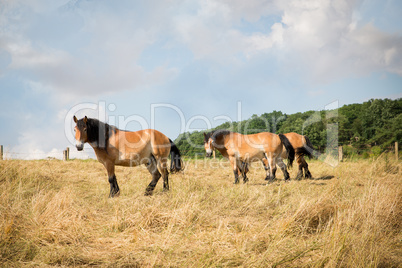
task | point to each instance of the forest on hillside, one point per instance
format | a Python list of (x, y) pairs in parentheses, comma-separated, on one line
[(367, 128)]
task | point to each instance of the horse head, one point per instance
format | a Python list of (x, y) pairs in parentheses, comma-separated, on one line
[(208, 144), (81, 134)]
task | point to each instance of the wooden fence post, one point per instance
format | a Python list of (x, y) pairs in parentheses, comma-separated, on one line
[(68, 153), (340, 154), (1, 152), (213, 153), (65, 155), (396, 151)]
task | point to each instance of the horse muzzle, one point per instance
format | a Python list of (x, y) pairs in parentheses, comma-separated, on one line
[(208, 154), (79, 146)]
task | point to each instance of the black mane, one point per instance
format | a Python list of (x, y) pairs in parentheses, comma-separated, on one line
[(98, 133), (216, 134)]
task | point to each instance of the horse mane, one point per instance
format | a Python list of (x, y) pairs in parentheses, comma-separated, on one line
[(217, 134), (98, 133)]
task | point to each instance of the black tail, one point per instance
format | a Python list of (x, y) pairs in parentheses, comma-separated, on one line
[(307, 149), (289, 148), (176, 163)]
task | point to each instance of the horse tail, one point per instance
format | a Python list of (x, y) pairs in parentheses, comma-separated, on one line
[(176, 163), (307, 149), (289, 148)]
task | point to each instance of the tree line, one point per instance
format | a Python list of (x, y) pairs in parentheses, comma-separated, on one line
[(367, 128)]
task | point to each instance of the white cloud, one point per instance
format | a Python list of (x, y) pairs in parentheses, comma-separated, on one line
[(107, 63), (323, 39)]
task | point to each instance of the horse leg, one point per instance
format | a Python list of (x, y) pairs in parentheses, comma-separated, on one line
[(266, 167), (153, 169), (300, 166), (272, 167), (282, 165), (244, 172), (114, 187), (243, 168), (162, 164), (233, 162), (307, 173)]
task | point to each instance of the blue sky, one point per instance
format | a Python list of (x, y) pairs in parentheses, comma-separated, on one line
[(184, 65)]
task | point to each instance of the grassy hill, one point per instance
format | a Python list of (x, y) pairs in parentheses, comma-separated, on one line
[(57, 213)]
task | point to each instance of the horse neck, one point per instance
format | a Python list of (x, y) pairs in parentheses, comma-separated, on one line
[(221, 147), (223, 152), (99, 135)]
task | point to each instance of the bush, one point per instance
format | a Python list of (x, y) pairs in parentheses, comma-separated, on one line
[(376, 151), (349, 151), (365, 155)]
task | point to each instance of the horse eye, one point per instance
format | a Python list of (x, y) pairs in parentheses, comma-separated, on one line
[(85, 129)]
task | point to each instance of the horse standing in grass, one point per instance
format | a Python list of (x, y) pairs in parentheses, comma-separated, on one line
[(244, 149), (303, 147), (113, 146)]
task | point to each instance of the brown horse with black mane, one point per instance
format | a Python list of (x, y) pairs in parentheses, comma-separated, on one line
[(113, 146), (244, 149)]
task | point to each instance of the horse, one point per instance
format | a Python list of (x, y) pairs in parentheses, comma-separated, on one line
[(303, 147), (113, 146), (244, 149)]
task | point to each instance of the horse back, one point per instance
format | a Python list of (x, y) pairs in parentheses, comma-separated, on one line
[(272, 142), (295, 139)]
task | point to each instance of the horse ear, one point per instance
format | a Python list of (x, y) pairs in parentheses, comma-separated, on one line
[(205, 135), (75, 119), (85, 119)]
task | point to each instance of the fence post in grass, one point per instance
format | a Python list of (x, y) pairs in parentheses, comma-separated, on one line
[(65, 155), (340, 154), (1, 152), (68, 153), (396, 151), (213, 153)]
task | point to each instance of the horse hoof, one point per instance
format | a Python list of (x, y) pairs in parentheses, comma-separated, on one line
[(148, 193), (113, 195)]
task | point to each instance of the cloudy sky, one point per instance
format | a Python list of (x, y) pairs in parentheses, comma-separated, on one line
[(181, 65)]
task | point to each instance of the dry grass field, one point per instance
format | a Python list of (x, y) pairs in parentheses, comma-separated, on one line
[(55, 213)]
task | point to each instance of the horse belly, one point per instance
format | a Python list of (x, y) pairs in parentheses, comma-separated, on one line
[(133, 160), (125, 163), (252, 156), (136, 158)]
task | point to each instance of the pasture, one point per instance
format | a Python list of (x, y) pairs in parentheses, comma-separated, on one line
[(55, 213)]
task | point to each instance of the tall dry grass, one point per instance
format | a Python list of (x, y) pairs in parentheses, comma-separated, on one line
[(55, 213)]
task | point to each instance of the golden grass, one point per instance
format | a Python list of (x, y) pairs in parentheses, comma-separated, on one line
[(55, 213)]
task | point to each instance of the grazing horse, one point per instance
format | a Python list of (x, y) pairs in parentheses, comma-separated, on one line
[(244, 149), (303, 147), (113, 146)]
